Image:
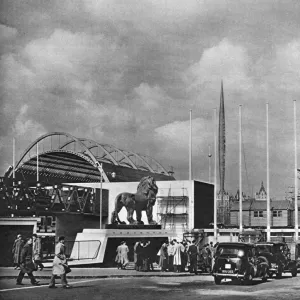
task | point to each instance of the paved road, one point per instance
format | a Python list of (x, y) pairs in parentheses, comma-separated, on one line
[(160, 288)]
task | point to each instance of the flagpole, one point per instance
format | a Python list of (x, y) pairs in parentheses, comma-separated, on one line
[(296, 174), (14, 161), (240, 170), (268, 177), (190, 150), (215, 179), (37, 162)]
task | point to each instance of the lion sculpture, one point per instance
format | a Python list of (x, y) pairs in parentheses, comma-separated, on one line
[(143, 199)]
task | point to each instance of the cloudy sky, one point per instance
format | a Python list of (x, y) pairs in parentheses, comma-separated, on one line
[(128, 72)]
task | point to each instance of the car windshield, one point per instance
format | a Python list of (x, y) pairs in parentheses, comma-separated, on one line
[(278, 248), (264, 248), (230, 251)]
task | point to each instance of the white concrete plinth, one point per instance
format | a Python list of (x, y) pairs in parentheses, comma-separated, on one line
[(90, 244)]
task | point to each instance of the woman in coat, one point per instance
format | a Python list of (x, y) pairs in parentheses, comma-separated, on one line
[(59, 263), (27, 265), (163, 260)]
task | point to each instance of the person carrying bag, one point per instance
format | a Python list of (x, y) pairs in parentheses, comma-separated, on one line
[(60, 265)]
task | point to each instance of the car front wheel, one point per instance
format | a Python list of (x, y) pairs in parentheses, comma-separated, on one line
[(294, 272)]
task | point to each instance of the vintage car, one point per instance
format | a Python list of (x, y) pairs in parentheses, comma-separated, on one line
[(278, 257), (238, 261)]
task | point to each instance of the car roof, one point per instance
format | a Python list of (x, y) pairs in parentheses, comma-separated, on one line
[(236, 244), (270, 243)]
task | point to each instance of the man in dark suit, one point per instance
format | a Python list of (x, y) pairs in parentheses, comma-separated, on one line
[(193, 254)]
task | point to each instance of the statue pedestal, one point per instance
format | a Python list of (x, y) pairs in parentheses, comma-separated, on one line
[(98, 246)]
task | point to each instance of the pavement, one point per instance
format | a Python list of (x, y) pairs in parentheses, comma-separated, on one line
[(10, 272)]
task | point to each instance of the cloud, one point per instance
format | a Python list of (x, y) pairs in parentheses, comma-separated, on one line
[(24, 126), (223, 61), (175, 135), (287, 66), (7, 33), (149, 97)]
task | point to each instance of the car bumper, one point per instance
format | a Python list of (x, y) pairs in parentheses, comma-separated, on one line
[(274, 270), (228, 275)]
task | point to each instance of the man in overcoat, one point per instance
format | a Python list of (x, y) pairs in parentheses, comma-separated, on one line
[(123, 255), (178, 249), (26, 264), (16, 251), (163, 261), (59, 263), (171, 256), (37, 251), (193, 255)]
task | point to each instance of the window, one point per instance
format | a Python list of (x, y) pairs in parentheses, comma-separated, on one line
[(258, 213), (277, 213)]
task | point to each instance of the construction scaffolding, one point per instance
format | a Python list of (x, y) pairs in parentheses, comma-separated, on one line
[(172, 211)]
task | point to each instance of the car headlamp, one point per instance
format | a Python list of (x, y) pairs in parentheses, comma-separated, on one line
[(241, 253)]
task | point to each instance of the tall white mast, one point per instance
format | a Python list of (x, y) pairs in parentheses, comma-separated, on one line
[(14, 162), (215, 174), (37, 162), (190, 150), (268, 177), (240, 170), (296, 174)]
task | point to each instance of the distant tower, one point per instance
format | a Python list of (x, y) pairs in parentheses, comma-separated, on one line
[(262, 194)]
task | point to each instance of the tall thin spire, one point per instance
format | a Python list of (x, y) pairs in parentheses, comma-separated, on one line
[(222, 148)]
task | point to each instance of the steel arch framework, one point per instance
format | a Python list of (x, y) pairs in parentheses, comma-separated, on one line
[(91, 151)]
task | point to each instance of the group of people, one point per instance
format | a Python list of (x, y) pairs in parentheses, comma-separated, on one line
[(27, 257), (177, 256), (18, 246), (173, 256), (144, 256)]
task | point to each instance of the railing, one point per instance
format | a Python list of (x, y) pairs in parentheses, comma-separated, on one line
[(79, 250)]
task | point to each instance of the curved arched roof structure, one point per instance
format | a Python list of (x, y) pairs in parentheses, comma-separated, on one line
[(63, 157)]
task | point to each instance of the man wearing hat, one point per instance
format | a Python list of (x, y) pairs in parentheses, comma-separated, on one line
[(26, 264), (59, 264), (16, 251)]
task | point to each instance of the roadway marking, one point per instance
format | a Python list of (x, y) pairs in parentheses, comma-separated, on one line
[(46, 285)]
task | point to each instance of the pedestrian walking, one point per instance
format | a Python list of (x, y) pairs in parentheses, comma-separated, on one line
[(37, 251), (193, 255), (26, 264), (60, 264), (16, 251), (163, 260)]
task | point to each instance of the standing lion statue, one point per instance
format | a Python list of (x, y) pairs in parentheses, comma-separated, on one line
[(143, 199)]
